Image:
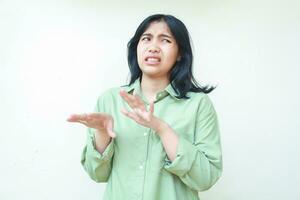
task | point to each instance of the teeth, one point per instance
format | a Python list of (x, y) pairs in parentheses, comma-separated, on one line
[(153, 59)]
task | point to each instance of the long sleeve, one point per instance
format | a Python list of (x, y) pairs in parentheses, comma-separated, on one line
[(97, 165), (199, 163)]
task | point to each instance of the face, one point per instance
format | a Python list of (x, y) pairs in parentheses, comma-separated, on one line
[(157, 50)]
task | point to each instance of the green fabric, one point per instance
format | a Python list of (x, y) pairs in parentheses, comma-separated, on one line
[(135, 165)]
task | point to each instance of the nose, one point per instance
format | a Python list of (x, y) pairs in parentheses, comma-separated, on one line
[(154, 48)]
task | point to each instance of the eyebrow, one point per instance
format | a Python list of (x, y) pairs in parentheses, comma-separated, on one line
[(160, 35)]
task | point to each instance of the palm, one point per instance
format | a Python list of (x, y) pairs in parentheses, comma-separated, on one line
[(100, 121)]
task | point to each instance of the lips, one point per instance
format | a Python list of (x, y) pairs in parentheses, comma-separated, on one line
[(152, 60)]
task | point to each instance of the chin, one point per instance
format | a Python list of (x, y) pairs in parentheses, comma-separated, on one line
[(150, 73)]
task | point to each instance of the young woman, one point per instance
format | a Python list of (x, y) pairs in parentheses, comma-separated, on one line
[(158, 137)]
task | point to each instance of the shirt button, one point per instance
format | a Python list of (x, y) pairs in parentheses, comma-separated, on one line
[(141, 167), (145, 134)]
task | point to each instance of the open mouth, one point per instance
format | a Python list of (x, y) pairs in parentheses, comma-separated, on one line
[(152, 60)]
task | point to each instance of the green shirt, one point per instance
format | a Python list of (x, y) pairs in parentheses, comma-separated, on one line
[(135, 164)]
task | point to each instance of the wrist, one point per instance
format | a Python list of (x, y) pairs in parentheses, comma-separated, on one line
[(159, 126), (102, 136), (101, 132)]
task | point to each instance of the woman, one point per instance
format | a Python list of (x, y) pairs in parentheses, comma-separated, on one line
[(158, 137)]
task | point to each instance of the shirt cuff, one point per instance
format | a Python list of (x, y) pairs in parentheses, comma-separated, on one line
[(185, 156), (108, 152)]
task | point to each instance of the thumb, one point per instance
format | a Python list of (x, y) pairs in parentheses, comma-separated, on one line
[(151, 108), (110, 128)]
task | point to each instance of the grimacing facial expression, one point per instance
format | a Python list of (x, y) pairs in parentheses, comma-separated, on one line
[(157, 50)]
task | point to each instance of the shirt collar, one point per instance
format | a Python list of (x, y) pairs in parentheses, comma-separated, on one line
[(136, 86)]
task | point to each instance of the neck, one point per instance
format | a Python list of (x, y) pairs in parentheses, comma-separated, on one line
[(151, 86)]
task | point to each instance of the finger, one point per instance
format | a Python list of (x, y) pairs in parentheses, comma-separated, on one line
[(80, 121), (72, 118), (131, 100), (139, 102), (130, 115), (139, 113), (151, 108), (136, 97), (100, 116), (126, 96), (136, 110), (76, 117), (134, 101), (83, 122), (143, 115), (110, 131)]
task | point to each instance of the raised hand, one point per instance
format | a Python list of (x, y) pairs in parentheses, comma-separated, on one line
[(140, 113), (100, 121)]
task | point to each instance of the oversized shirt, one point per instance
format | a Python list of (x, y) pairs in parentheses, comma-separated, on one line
[(135, 164)]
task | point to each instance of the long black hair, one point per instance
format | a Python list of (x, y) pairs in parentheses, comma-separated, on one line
[(181, 76)]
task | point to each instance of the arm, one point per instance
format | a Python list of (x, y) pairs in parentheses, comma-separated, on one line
[(197, 164), (96, 164), (102, 140), (99, 149)]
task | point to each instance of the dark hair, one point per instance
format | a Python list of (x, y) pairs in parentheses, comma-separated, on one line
[(181, 76)]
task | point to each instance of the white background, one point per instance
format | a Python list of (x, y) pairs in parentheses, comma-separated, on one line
[(56, 57)]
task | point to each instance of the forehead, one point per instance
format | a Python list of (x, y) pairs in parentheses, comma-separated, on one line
[(158, 27)]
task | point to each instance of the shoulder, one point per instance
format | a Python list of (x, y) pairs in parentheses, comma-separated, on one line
[(109, 93), (199, 97), (202, 100), (107, 98)]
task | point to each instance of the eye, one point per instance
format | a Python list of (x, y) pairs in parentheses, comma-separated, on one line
[(166, 40), (145, 39)]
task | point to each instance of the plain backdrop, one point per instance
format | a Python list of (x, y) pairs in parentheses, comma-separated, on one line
[(56, 57)]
